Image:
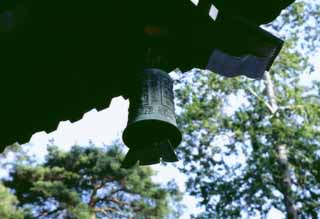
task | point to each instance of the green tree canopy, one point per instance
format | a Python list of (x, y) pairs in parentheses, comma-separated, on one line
[(8, 205), (253, 145), (88, 183)]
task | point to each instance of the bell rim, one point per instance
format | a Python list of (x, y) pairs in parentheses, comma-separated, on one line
[(175, 137)]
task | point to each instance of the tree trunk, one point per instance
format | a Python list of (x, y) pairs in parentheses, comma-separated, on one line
[(285, 182), (282, 156)]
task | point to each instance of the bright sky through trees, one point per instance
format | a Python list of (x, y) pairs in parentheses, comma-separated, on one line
[(106, 126), (102, 128)]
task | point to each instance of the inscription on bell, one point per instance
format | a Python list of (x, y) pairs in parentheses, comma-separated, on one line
[(154, 86), (166, 112), (167, 94), (146, 110), (145, 94), (155, 96)]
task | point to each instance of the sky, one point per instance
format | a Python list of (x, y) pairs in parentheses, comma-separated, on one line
[(106, 126), (102, 128)]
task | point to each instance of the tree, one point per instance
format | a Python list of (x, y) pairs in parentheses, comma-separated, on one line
[(88, 183), (253, 145), (8, 204)]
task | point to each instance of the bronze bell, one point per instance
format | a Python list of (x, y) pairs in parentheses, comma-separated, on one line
[(151, 133)]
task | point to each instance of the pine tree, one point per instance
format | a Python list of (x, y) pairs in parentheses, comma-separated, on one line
[(88, 183)]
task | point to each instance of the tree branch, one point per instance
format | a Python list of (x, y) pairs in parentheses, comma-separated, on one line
[(93, 199), (117, 190), (271, 109), (104, 210), (48, 213), (117, 201)]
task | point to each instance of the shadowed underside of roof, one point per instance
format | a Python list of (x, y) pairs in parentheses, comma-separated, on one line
[(59, 59)]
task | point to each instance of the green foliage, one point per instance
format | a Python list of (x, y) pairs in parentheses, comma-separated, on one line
[(8, 204), (87, 183), (232, 132)]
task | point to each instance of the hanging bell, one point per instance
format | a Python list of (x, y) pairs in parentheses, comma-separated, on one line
[(151, 133)]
